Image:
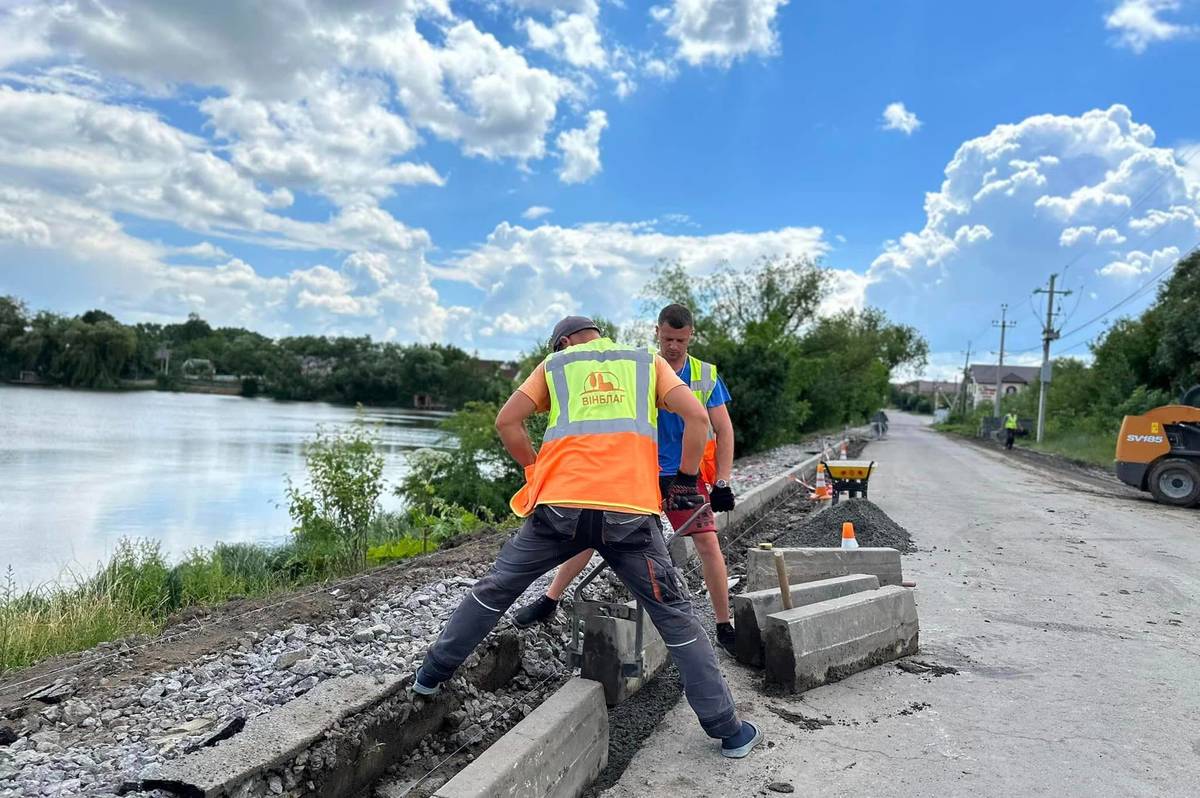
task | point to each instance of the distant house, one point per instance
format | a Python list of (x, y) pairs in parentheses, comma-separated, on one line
[(198, 368), (981, 381)]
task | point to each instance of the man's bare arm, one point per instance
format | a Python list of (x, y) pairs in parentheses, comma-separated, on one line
[(510, 423), (722, 425), (682, 402)]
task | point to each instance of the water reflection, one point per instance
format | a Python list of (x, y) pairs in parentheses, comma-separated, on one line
[(79, 470)]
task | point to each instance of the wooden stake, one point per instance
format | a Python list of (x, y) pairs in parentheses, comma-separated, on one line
[(785, 590)]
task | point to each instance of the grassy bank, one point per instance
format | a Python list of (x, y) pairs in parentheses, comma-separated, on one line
[(138, 590), (1092, 448)]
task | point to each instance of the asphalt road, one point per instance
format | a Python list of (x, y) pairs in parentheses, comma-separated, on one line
[(1071, 616)]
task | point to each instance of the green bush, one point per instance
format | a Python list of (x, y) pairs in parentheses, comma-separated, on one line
[(400, 549), (333, 514)]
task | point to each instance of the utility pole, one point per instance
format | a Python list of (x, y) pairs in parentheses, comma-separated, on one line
[(1048, 334), (962, 397), (1004, 326)]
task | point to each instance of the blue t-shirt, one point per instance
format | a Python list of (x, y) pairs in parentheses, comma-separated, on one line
[(670, 425)]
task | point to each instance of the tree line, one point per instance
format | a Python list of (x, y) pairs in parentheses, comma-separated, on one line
[(95, 350)]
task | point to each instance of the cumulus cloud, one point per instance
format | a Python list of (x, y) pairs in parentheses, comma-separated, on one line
[(1140, 23), (1090, 196), (533, 276), (536, 212), (1137, 263), (573, 37), (580, 150), (897, 117), (721, 31), (341, 142), (327, 68)]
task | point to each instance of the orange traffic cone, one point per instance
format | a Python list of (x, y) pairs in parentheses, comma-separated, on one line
[(823, 490), (845, 451), (848, 539)]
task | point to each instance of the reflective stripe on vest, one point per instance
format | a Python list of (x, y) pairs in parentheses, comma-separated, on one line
[(612, 409), (703, 379)]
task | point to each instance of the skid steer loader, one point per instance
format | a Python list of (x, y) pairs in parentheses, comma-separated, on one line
[(1159, 451)]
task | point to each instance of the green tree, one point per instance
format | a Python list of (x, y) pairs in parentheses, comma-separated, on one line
[(94, 355), (1177, 317), (14, 318)]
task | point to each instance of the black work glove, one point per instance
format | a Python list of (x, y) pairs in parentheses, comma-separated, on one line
[(722, 499), (683, 494)]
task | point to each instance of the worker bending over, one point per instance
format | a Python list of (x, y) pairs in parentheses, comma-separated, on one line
[(674, 333), (593, 486)]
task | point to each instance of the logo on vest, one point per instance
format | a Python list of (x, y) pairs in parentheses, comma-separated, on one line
[(603, 388)]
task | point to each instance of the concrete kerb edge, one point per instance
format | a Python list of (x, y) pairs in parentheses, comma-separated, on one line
[(544, 760), (342, 735)]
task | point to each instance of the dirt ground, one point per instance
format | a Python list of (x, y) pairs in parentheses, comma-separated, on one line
[(203, 630)]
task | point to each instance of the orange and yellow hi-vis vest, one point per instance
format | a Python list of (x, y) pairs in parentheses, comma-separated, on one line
[(601, 444)]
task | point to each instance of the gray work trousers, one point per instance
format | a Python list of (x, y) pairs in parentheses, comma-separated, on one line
[(633, 546)]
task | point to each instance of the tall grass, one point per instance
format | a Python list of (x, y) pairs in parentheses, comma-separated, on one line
[(1093, 448), (138, 590)]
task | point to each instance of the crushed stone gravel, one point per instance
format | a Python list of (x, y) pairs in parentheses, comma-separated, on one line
[(872, 527)]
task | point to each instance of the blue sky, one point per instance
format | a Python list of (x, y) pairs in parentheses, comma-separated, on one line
[(470, 171)]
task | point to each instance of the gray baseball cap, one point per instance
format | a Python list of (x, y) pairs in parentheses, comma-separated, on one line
[(569, 326)]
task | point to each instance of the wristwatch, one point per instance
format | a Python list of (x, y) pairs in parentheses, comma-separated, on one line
[(720, 483)]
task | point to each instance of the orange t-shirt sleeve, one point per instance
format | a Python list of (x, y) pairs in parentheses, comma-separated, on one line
[(667, 380), (536, 389)]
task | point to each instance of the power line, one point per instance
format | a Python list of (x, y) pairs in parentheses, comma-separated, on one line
[(1048, 334), (1139, 291), (1184, 159)]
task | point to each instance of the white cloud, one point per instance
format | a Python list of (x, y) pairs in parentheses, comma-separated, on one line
[(205, 250), (897, 117), (327, 60), (1139, 23), (572, 37), (341, 142), (1086, 196), (581, 150), (473, 90), (1088, 234), (1137, 263), (721, 31), (533, 276), (536, 212), (623, 84)]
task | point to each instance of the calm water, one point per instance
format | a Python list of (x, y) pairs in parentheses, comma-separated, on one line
[(80, 470)]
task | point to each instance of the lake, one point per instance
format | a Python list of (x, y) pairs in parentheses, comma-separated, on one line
[(79, 470)]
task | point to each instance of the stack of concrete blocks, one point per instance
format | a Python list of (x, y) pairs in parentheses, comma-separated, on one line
[(849, 613)]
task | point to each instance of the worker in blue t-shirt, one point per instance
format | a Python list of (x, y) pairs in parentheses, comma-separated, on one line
[(674, 332)]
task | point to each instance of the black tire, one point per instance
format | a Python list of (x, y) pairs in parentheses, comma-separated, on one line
[(1175, 481)]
